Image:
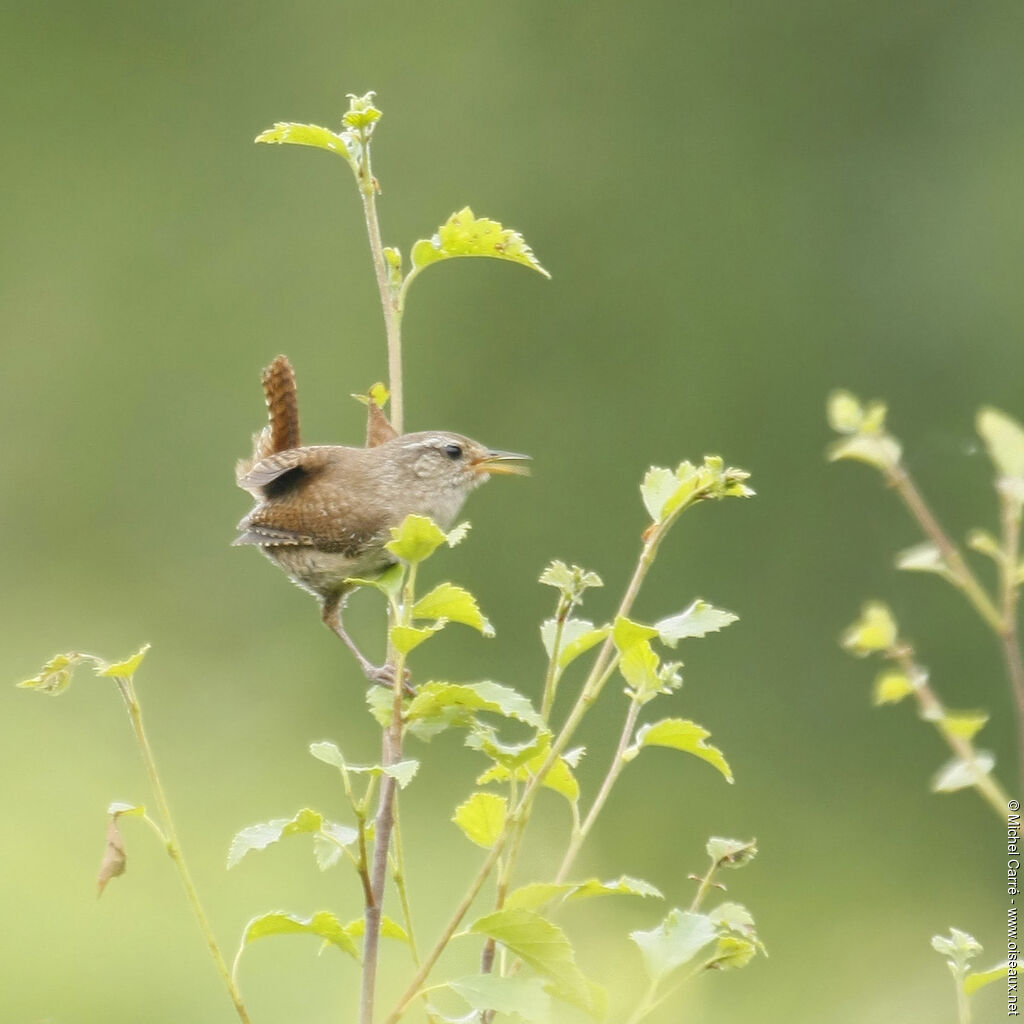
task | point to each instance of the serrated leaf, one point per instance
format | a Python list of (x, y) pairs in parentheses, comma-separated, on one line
[(959, 774), (676, 941), (580, 644), (891, 687), (515, 994), (1004, 439), (559, 778), (389, 928), (659, 484), (416, 539), (464, 234), (361, 113), (844, 412), (453, 603), (457, 534), (924, 557), (126, 668), (403, 772), (979, 979), (959, 946), (735, 918), (873, 632), (259, 837), (881, 451), (55, 676), (433, 699), (482, 818), (699, 619), (682, 734), (637, 662), (731, 853), (285, 132), (329, 753), (324, 925), (572, 582), (965, 724), (408, 638), (544, 947)]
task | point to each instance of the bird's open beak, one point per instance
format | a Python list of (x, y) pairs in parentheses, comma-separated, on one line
[(502, 462)]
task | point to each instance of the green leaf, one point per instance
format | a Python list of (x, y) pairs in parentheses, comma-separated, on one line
[(665, 492), (515, 994), (983, 542), (482, 818), (891, 687), (309, 135), (416, 539), (438, 699), (408, 638), (638, 663), (448, 601), (559, 778), (259, 837), (960, 947), (1004, 439), (545, 948), (731, 953), (389, 582), (536, 895), (731, 853), (959, 774), (676, 941), (361, 113), (979, 979), (965, 724), (924, 557), (875, 631), (699, 619), (845, 413), (882, 451), (681, 734), (464, 234), (126, 668), (572, 582), (324, 925), (389, 928), (55, 676), (329, 753), (403, 771)]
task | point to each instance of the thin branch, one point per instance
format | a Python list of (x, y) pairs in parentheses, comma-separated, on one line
[(128, 695), (1008, 635)]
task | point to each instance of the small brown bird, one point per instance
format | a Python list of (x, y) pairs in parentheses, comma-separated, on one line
[(324, 512)]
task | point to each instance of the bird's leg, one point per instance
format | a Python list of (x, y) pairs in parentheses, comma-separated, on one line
[(384, 675)]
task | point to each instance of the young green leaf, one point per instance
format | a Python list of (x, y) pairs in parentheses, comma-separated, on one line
[(731, 853), (571, 581), (310, 135), (438, 699), (984, 543), (389, 582), (55, 676), (966, 724), (514, 994), (323, 924), (699, 619), (536, 895), (559, 778), (845, 413), (676, 941), (408, 638), (329, 753), (873, 632), (1004, 439), (545, 948), (959, 947), (979, 979), (680, 734), (454, 604), (730, 953), (416, 539), (891, 687), (482, 818), (959, 774), (637, 662), (306, 822), (126, 668), (464, 234), (924, 557), (389, 928), (734, 917)]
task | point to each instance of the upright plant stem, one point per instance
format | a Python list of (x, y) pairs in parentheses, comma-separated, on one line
[(1008, 635), (128, 695), (388, 298)]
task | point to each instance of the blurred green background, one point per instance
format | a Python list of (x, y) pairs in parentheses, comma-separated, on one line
[(743, 206)]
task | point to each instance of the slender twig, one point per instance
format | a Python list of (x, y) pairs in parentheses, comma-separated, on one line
[(614, 770), (933, 710), (130, 698), (368, 188), (959, 571), (551, 677), (1008, 634)]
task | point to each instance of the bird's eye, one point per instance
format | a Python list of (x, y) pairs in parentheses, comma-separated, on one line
[(453, 451)]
